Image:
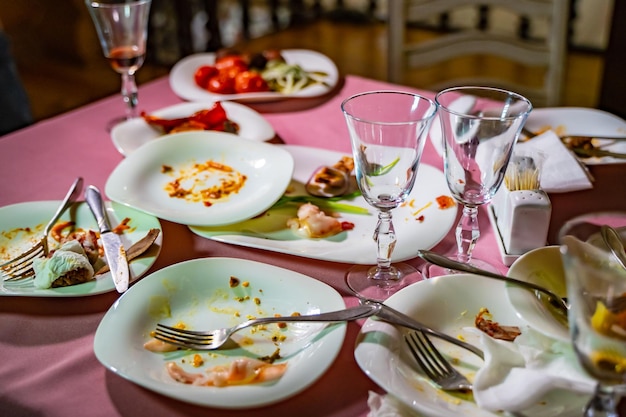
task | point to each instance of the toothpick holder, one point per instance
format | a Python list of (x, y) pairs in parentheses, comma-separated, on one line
[(522, 219)]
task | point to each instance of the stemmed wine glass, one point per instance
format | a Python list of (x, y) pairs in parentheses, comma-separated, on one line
[(387, 132), (122, 28), (480, 126), (596, 291)]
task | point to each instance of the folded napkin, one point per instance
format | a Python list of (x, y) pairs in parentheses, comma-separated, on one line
[(516, 376), (561, 171), (388, 406)]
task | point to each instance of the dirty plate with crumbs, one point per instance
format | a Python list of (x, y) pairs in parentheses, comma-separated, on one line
[(159, 179), (205, 294)]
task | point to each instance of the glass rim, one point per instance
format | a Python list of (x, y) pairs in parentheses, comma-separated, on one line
[(504, 92), (114, 3), (433, 106)]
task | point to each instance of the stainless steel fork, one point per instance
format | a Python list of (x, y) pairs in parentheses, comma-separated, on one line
[(20, 268), (210, 340), (434, 364)]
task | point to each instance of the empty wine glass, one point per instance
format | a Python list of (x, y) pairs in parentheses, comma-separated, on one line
[(122, 28), (480, 126), (596, 291), (387, 132)]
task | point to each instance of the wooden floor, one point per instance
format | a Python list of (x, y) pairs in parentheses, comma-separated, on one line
[(356, 48)]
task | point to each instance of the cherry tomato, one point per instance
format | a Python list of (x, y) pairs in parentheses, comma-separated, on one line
[(231, 61), (221, 84), (232, 71), (203, 73), (250, 82)]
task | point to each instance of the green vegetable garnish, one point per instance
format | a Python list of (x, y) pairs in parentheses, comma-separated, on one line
[(332, 203)]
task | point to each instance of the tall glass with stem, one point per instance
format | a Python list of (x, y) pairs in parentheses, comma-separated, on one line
[(596, 291), (122, 28), (480, 126), (387, 132)]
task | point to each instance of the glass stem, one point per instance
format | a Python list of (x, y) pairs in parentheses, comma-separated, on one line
[(129, 93), (385, 237), (467, 233), (603, 403)]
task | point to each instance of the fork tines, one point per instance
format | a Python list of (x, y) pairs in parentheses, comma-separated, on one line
[(21, 267), (434, 364), (184, 338)]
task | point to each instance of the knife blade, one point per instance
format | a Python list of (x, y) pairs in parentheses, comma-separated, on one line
[(113, 248)]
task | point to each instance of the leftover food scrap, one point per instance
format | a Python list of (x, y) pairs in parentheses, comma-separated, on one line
[(214, 118), (314, 223), (484, 321), (239, 372)]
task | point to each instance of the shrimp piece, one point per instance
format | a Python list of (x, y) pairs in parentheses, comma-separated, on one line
[(239, 372), (159, 346), (314, 223)]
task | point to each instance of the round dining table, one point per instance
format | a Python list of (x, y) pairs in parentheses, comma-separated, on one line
[(48, 363)]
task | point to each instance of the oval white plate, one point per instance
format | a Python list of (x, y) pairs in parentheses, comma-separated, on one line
[(197, 293), (183, 84), (128, 136), (139, 183), (541, 266), (35, 215), (449, 304), (270, 231), (564, 120)]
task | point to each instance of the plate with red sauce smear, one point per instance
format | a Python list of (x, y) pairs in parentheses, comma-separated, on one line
[(422, 222), (130, 135), (202, 178)]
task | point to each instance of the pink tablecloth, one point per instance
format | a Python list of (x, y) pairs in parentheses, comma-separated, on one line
[(48, 365)]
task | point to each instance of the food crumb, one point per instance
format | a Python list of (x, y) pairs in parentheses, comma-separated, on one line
[(197, 361), (233, 282)]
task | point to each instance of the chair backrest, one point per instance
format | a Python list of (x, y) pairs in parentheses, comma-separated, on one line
[(544, 54)]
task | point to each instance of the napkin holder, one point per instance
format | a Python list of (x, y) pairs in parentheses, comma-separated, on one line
[(520, 211)]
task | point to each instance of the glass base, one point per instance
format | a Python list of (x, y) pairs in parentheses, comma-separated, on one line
[(368, 282), (431, 271)]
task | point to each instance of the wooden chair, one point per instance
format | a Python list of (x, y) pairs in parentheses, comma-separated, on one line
[(545, 56)]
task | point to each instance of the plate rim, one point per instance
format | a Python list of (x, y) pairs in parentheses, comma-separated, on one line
[(388, 329), (137, 272), (180, 67), (261, 243), (331, 345), (129, 166), (266, 130)]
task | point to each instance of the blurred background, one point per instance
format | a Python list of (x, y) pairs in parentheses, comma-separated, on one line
[(61, 65)]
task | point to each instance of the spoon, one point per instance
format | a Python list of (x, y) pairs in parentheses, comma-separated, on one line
[(614, 242), (554, 300)]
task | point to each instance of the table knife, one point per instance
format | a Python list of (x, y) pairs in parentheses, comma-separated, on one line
[(113, 248)]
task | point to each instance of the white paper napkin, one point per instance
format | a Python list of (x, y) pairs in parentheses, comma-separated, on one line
[(561, 171), (388, 406), (517, 375)]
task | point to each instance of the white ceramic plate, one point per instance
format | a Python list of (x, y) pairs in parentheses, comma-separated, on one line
[(131, 134), (197, 293), (270, 232), (541, 266), (449, 304), (564, 120), (138, 181), (582, 121), (183, 84), (35, 215)]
